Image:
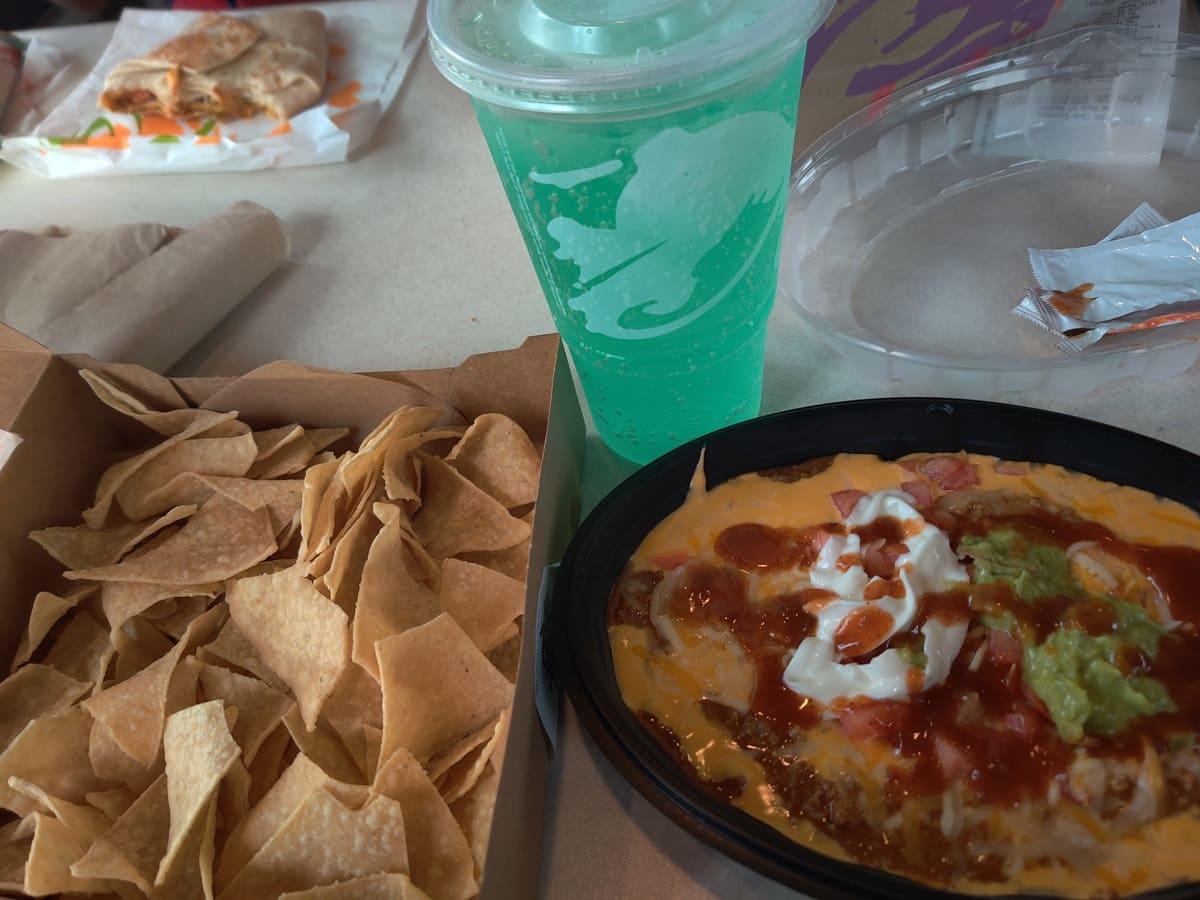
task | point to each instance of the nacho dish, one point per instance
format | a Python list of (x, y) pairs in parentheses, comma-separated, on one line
[(227, 67), (975, 673), (270, 663)]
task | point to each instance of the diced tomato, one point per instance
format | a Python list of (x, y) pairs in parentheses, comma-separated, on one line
[(669, 561), (1022, 720), (845, 501), (920, 491), (866, 719), (950, 473), (879, 558), (953, 759), (1035, 702), (819, 537), (1003, 648)]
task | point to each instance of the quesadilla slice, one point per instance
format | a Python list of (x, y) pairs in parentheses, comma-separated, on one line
[(228, 68)]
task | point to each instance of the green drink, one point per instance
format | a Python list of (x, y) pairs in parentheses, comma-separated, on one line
[(644, 146)]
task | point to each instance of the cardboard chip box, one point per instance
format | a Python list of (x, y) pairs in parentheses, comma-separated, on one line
[(56, 439)]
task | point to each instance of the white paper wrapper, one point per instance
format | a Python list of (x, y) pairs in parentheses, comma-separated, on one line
[(12, 58), (372, 43), (46, 74), (1143, 275)]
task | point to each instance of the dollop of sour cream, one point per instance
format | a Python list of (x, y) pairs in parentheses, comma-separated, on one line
[(929, 565)]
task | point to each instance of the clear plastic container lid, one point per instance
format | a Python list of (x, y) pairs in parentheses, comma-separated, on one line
[(908, 224), (603, 56)]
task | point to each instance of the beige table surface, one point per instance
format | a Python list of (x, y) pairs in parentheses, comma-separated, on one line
[(408, 257)]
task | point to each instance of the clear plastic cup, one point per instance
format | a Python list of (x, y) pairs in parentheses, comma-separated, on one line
[(645, 147)]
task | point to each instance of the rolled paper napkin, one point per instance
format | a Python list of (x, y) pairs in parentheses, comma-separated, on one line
[(143, 293)]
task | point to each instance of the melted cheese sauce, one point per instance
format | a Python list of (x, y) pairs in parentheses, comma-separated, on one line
[(653, 684)]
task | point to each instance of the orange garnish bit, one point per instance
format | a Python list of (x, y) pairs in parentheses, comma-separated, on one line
[(152, 126), (118, 140), (347, 96), (280, 129)]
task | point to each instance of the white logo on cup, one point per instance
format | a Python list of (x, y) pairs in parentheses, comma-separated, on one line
[(688, 191)]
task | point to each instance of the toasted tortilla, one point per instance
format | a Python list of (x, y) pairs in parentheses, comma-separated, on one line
[(226, 67)]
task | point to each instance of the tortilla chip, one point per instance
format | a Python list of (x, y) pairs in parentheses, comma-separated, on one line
[(439, 857), (457, 517), (122, 600), (116, 475), (167, 423), (373, 738), (349, 557), (135, 710), (323, 842), (297, 453), (184, 612), (199, 751), (301, 779), (325, 437), (325, 747), (402, 470), (270, 441), (113, 803), (138, 645), (189, 875), (317, 483), (15, 844), (402, 476), (390, 600), (459, 778), (497, 455), (83, 547), (113, 765), (233, 796), (202, 455), (220, 541), (232, 648), (507, 657), (82, 651), (485, 603), (298, 781), (303, 637), (290, 458), (46, 611), (31, 692), (132, 848), (475, 811), (280, 498), (260, 707), (513, 562), (445, 759), (51, 752), (48, 869), (371, 887), (436, 687), (268, 762), (355, 701), (84, 822)]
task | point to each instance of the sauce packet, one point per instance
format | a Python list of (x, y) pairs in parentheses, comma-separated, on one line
[(1145, 274)]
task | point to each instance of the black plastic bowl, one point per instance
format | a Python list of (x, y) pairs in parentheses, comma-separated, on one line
[(578, 645)]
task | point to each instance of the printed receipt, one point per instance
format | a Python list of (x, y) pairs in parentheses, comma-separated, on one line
[(1103, 114)]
